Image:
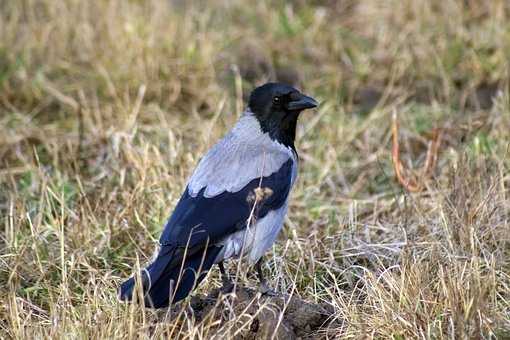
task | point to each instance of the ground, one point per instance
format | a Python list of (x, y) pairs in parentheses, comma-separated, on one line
[(106, 107)]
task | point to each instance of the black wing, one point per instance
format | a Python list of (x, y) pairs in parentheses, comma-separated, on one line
[(198, 220)]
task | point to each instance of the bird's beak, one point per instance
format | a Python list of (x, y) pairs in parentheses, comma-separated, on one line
[(302, 102)]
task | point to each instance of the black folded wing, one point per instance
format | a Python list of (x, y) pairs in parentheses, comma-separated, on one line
[(198, 220)]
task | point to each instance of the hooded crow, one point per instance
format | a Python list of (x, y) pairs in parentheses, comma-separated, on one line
[(235, 201)]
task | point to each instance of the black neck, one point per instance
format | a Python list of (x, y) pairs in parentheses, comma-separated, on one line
[(284, 132)]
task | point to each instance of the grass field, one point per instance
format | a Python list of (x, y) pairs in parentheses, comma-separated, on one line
[(106, 107)]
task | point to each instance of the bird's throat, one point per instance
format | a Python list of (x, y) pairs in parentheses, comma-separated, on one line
[(283, 132)]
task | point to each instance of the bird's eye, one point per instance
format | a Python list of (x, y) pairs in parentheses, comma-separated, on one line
[(276, 100)]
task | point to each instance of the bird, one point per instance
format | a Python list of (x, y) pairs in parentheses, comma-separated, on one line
[(235, 201)]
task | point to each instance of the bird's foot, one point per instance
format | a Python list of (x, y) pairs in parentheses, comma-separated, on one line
[(264, 289), (227, 287)]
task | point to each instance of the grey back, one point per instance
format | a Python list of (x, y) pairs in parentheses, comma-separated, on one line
[(244, 154)]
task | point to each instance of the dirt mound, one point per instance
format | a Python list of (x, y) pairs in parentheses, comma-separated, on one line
[(289, 317)]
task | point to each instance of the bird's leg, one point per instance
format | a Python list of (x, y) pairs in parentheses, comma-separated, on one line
[(263, 286), (228, 286)]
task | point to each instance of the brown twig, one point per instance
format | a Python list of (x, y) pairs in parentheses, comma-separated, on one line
[(81, 137), (432, 152), (412, 184)]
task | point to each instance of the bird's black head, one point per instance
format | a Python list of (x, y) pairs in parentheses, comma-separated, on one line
[(277, 107)]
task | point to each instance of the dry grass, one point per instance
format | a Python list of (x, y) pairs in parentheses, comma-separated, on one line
[(106, 106)]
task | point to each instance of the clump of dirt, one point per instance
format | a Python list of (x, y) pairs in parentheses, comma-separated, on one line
[(289, 317)]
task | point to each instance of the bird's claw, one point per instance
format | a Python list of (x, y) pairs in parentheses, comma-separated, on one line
[(227, 287), (264, 289)]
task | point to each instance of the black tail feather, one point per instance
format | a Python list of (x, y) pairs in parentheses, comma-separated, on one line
[(166, 278)]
